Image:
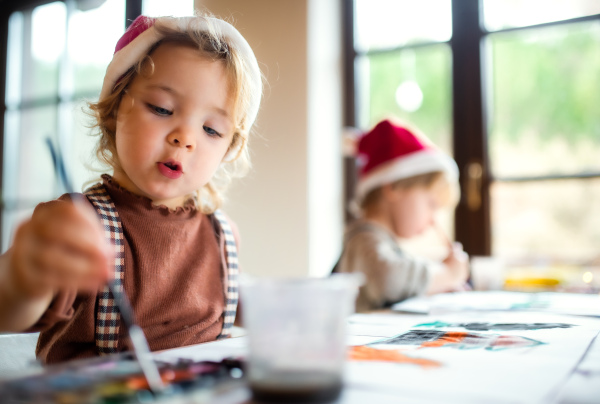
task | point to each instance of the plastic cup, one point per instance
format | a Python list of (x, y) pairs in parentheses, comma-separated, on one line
[(297, 336), (487, 273)]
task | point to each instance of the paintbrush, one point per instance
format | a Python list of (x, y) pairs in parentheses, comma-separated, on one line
[(136, 335)]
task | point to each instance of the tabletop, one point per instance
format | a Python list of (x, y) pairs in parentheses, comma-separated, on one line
[(485, 347), (471, 347)]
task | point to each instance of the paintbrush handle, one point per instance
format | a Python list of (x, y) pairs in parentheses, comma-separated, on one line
[(136, 335), (122, 303), (138, 340), (145, 360)]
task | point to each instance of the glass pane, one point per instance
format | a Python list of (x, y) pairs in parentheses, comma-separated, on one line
[(175, 8), (544, 110), (14, 60), (546, 221), (499, 14), (34, 169), (11, 218), (81, 162), (415, 86), (48, 34), (90, 54), (392, 23)]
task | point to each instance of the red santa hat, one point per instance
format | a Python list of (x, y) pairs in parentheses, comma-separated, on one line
[(391, 152), (141, 35)]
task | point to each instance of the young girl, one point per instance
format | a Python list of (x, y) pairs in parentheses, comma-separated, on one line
[(174, 114), (403, 182)]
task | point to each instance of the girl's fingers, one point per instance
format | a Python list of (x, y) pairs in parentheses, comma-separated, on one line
[(74, 226), (69, 265), (63, 245)]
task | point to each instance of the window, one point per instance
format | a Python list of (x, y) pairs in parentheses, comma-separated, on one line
[(509, 88), (56, 56)]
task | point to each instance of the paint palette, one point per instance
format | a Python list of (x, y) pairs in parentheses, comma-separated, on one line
[(119, 379)]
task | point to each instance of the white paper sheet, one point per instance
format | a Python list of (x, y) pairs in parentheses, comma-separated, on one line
[(498, 357), (558, 303), (583, 387), (503, 364)]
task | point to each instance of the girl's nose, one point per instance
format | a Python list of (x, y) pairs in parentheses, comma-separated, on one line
[(182, 138)]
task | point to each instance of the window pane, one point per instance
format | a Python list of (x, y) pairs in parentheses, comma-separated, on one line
[(392, 23), (90, 54), (48, 24), (14, 60), (548, 220), (34, 168), (499, 14), (413, 85), (11, 218), (544, 112), (79, 153), (175, 8)]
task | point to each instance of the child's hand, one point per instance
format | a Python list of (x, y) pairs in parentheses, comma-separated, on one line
[(61, 246), (453, 274), (457, 263)]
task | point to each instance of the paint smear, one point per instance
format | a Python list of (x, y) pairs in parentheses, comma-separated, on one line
[(365, 353), (497, 326), (459, 340)]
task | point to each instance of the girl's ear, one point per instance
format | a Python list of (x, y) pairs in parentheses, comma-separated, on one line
[(387, 190), (391, 193)]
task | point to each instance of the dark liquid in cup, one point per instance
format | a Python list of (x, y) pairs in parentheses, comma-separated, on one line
[(297, 387)]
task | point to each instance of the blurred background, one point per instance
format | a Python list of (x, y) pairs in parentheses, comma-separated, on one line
[(508, 87)]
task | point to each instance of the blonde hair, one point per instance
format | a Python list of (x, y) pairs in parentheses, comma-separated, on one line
[(211, 44), (446, 191)]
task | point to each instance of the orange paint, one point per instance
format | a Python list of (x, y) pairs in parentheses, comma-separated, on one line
[(364, 353), (450, 337), (140, 382)]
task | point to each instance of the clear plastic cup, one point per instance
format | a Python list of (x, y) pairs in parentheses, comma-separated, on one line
[(297, 335)]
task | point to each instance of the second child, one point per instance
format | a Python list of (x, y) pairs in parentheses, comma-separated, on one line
[(404, 181)]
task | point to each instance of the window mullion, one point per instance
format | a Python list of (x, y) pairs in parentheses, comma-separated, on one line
[(133, 9), (472, 225)]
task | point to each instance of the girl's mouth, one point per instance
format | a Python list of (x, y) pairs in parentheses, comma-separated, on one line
[(170, 169)]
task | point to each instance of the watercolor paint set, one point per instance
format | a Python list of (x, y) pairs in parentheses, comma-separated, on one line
[(118, 379)]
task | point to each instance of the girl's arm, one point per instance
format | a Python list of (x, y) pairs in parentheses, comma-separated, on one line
[(17, 311), (61, 246)]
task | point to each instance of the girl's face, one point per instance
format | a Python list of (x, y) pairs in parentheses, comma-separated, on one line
[(174, 126), (412, 210)]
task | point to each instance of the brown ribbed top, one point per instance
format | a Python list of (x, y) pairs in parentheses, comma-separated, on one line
[(174, 269)]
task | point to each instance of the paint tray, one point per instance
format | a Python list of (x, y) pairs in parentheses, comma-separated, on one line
[(119, 379)]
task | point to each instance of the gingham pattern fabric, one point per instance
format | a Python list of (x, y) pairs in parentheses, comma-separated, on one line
[(231, 276), (107, 313)]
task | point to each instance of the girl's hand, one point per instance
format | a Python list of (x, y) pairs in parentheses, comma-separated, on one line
[(457, 263), (453, 274), (61, 246)]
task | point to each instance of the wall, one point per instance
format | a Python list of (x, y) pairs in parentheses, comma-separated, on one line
[(288, 209)]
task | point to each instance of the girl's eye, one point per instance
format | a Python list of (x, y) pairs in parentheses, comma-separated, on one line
[(160, 111), (211, 132)]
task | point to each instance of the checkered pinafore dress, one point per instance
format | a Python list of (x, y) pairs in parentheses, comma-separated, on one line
[(107, 314)]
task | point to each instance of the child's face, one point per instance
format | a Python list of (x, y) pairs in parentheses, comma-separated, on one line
[(412, 210), (174, 126)]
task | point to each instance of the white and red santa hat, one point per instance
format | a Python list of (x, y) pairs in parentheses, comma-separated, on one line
[(142, 35), (390, 152)]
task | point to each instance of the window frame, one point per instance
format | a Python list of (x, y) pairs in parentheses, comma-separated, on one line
[(133, 8), (469, 118)]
